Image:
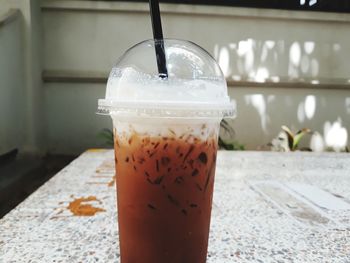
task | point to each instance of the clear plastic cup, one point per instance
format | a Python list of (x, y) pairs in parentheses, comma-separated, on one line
[(166, 140)]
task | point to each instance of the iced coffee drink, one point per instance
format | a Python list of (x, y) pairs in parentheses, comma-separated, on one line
[(164, 185), (165, 137)]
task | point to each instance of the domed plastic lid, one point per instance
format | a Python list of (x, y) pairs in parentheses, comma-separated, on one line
[(195, 86)]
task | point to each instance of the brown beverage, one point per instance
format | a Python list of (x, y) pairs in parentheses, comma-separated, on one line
[(164, 191), (166, 131)]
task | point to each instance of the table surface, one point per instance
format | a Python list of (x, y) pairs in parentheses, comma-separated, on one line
[(268, 207)]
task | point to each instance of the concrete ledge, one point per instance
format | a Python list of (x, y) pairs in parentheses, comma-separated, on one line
[(9, 16), (57, 76), (61, 76), (182, 9), (331, 84)]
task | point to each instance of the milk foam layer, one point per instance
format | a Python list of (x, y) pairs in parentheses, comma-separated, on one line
[(129, 85), (171, 128), (195, 87)]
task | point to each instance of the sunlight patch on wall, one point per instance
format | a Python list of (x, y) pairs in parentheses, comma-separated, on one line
[(301, 112), (317, 143), (347, 105), (270, 44), (305, 64), (294, 60), (216, 51), (236, 77), (257, 60), (261, 75), (306, 108), (314, 67), (249, 61), (259, 103), (336, 136), (267, 46), (295, 54), (232, 46), (275, 79), (245, 50), (224, 61), (310, 106), (244, 47), (309, 47), (264, 53)]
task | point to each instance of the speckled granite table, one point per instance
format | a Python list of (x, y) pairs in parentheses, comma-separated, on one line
[(268, 207)]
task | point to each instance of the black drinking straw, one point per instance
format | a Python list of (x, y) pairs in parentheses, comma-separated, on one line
[(158, 38)]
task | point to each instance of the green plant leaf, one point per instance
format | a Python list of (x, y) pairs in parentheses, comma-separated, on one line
[(231, 146), (300, 134), (226, 135), (241, 147), (107, 136)]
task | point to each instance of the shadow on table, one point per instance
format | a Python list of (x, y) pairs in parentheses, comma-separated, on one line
[(21, 175)]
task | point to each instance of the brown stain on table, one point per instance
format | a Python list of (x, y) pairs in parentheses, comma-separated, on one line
[(106, 166), (101, 176), (105, 170), (81, 206), (111, 183)]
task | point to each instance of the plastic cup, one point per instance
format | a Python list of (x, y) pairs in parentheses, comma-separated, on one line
[(166, 137)]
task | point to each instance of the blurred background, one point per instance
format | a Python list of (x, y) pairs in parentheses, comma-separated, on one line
[(286, 63)]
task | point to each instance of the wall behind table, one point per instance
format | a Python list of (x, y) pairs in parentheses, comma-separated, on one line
[(262, 111), (72, 122), (21, 68), (12, 120), (251, 45), (88, 42)]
